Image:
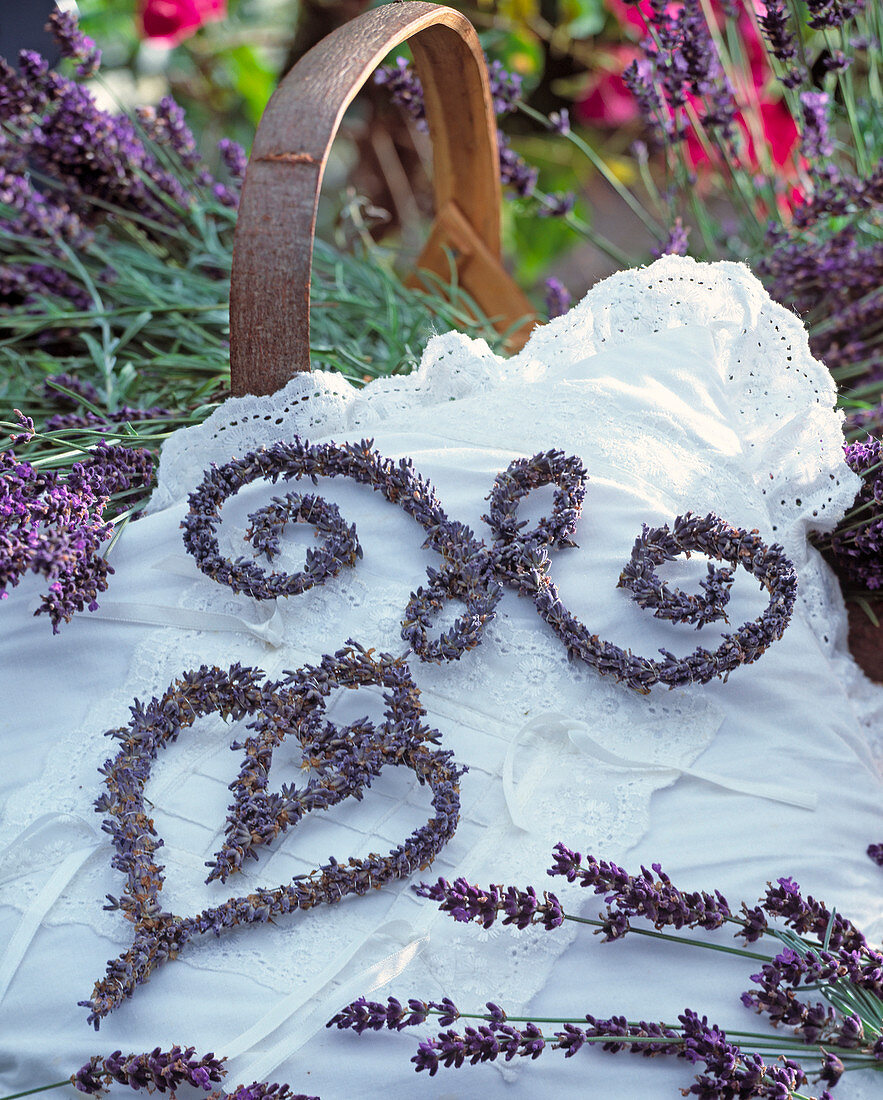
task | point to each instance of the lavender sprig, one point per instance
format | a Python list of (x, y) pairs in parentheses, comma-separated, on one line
[(840, 965), (728, 1070), (164, 1071), (557, 296), (857, 544), (73, 43)]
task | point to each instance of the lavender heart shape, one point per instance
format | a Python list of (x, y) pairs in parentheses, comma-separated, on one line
[(342, 760), (160, 935)]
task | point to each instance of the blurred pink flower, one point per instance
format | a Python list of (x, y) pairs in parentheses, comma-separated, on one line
[(609, 103), (171, 21)]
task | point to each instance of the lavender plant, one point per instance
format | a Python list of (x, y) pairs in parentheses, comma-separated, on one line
[(115, 258), (820, 952), (56, 525), (857, 545)]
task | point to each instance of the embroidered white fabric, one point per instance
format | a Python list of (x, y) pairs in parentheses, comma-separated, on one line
[(682, 387)]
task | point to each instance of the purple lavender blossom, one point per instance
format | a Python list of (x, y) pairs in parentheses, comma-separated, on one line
[(260, 1090), (91, 154), (557, 297), (363, 1015), (677, 243), (472, 903), (832, 13), (515, 172), (857, 543), (815, 141), (774, 24), (728, 1072), (505, 88), (126, 414), (405, 90), (54, 525), (638, 77), (650, 895), (161, 1071), (120, 170), (54, 386), (73, 43), (165, 125), (560, 121), (556, 205)]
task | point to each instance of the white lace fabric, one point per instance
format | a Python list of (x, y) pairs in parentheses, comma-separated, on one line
[(682, 387)]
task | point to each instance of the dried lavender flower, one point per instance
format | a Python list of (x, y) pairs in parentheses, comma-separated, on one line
[(709, 535), (465, 575), (476, 575)]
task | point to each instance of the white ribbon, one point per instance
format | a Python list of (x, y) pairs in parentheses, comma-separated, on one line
[(313, 1019), (578, 732), (268, 626), (33, 916), (268, 629)]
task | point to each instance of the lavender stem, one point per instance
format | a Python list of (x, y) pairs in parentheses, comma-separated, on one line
[(675, 939), (39, 1088)]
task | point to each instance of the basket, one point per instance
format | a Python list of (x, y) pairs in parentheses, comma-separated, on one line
[(273, 244)]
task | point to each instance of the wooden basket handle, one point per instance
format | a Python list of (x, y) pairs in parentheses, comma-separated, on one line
[(273, 243)]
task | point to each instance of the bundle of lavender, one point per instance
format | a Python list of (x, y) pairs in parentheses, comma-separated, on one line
[(839, 1027), (115, 252)]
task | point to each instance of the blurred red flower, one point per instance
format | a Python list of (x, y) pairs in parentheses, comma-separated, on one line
[(171, 21)]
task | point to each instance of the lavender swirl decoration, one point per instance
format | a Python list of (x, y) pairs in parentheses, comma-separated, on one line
[(341, 546), (523, 562), (476, 574), (343, 762), (464, 575), (708, 535)]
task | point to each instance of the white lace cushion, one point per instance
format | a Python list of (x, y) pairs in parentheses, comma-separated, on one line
[(681, 387)]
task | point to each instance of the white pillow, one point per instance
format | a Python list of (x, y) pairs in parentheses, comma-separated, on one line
[(681, 388)]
